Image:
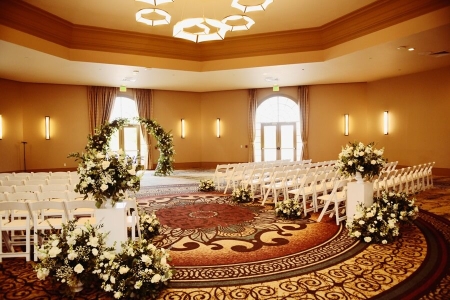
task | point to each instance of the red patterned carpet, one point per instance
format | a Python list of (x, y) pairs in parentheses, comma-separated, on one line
[(224, 250)]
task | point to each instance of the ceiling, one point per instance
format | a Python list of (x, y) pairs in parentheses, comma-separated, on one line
[(364, 58)]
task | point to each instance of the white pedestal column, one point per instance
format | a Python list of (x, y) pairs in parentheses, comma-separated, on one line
[(358, 193), (114, 223)]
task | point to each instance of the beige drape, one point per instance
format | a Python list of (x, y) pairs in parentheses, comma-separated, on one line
[(303, 104), (100, 103), (252, 105), (144, 102)]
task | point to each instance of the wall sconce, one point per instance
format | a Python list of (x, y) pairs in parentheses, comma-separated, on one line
[(1, 127), (183, 132), (386, 122), (47, 127), (218, 127), (346, 124)]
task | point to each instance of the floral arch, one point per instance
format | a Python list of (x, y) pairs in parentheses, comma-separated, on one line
[(99, 142)]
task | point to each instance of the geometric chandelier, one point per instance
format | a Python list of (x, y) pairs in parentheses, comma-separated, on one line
[(248, 8), (200, 29), (150, 20)]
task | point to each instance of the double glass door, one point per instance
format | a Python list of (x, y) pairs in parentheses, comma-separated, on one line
[(127, 139), (278, 141)]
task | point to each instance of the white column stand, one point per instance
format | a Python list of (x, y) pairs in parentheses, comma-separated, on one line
[(358, 192), (114, 222)]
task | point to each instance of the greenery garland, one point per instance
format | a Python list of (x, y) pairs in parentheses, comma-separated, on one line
[(99, 142)]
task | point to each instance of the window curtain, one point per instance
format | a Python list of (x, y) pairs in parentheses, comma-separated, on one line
[(303, 104), (252, 105), (144, 102), (100, 103)]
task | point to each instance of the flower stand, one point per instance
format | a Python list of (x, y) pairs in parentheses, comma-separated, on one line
[(114, 223), (358, 192)]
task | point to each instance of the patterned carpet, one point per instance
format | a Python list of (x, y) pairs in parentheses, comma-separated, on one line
[(223, 250)]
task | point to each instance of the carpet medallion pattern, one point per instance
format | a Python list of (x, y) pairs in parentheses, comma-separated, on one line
[(215, 241)]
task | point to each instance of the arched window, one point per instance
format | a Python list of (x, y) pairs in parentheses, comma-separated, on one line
[(277, 130), (129, 138)]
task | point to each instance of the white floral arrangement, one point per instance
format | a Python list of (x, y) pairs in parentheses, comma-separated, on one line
[(289, 209), (380, 223), (357, 157), (107, 175), (206, 185), (139, 271), (242, 195), (70, 257), (149, 224)]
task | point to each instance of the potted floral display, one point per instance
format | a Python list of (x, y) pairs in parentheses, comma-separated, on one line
[(241, 195), (206, 185), (139, 271), (289, 209), (105, 176), (361, 161), (149, 224), (71, 256), (380, 223)]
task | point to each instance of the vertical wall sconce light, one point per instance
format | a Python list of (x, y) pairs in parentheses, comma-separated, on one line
[(47, 127), (183, 129), (1, 127), (346, 124), (218, 127), (386, 122)]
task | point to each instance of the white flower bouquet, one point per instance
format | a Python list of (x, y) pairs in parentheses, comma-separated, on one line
[(71, 256), (242, 195), (139, 271), (289, 209), (107, 176), (357, 157), (381, 222), (206, 185), (148, 224)]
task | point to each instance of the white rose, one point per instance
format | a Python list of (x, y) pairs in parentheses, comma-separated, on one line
[(54, 251), (373, 162), (78, 268), (72, 255), (100, 155), (138, 285), (350, 163), (123, 270), (104, 187), (156, 278), (95, 251), (42, 273), (367, 239), (117, 295), (357, 234), (146, 259), (55, 243), (105, 164), (93, 241)]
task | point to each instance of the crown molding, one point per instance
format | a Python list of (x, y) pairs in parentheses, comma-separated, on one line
[(381, 14)]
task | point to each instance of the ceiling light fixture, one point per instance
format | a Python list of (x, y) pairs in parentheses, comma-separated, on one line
[(199, 30), (155, 2), (237, 22), (248, 8), (157, 14), (411, 49)]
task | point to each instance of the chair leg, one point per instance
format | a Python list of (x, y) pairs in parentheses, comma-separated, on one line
[(324, 210)]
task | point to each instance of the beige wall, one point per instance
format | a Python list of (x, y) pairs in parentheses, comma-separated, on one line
[(419, 106), (419, 111), (11, 109)]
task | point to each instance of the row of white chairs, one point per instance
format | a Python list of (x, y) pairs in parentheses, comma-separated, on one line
[(261, 171), (38, 175), (409, 180), (33, 216), (18, 182), (36, 188)]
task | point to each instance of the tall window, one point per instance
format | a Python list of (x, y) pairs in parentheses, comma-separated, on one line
[(277, 130), (129, 138)]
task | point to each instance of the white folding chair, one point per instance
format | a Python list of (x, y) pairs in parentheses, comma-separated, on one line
[(220, 175), (9, 225), (133, 217), (306, 191), (77, 210), (7, 189), (41, 222), (36, 181), (58, 196), (27, 188), (12, 182), (54, 187), (58, 181), (338, 197), (21, 197)]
